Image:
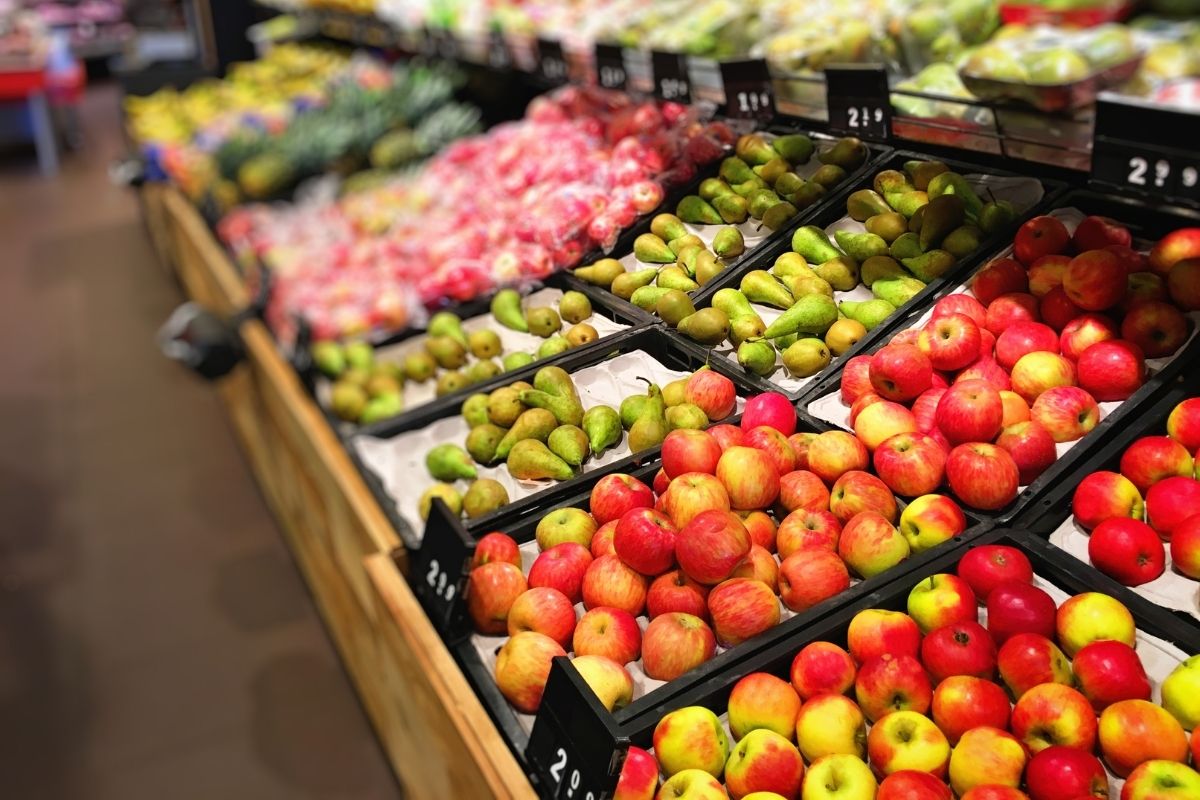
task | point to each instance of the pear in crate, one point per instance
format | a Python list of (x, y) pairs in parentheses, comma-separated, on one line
[(553, 346), (449, 462), (708, 326), (444, 492), (531, 460), (574, 307), (806, 357), (451, 382), (483, 497), (812, 243), (483, 440), (570, 443), (600, 273), (449, 353), (506, 308), (603, 427), (474, 410), (868, 313), (841, 273), (536, 423), (447, 323), (811, 314), (757, 357), (848, 153), (484, 344), (760, 286)]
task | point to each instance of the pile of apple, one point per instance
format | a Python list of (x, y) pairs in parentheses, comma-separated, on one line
[(1030, 704), (1002, 375), (699, 555), (1152, 502)]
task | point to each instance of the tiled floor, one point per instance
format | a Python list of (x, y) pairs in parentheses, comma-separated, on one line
[(156, 640)]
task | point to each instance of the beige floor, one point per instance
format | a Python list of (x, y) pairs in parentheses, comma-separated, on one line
[(156, 640)]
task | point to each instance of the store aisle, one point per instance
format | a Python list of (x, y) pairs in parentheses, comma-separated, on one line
[(156, 639)]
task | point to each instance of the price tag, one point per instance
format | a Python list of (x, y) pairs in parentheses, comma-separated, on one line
[(671, 77), (749, 93), (439, 569), (859, 101), (574, 747), (1147, 149), (498, 56), (552, 64), (610, 67)]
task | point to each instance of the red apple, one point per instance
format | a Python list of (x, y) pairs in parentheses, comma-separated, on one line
[(543, 610), (834, 453), (900, 372), (951, 342), (1095, 280), (760, 526), (727, 436), (907, 740), (639, 776), (876, 632), (821, 668), (859, 491), (960, 648), (775, 445), (1169, 780), (761, 701), (986, 369), (615, 494), (1031, 447), (1000, 277), (610, 582), (964, 702), (1009, 309), (811, 576), (806, 528), (924, 409), (892, 683), (800, 443), (562, 567), (910, 464), (686, 450), (771, 409), (496, 546), (761, 566), (1084, 331), (711, 546), (856, 378), (970, 411), (1053, 714), (659, 485), (1065, 773), (1021, 338), (674, 644), (750, 478), (964, 304), (1019, 607), (1036, 372), (742, 608), (1015, 409), (523, 667), (1142, 286), (1104, 495), (712, 392), (1096, 232), (602, 541), (491, 591), (1112, 371), (1040, 236), (693, 493), (911, 784), (1153, 458), (1057, 310), (645, 540), (1133, 732), (881, 421), (608, 632), (1127, 550), (982, 475), (1159, 329), (675, 592), (1183, 424), (1174, 247), (1066, 412), (1108, 672), (802, 489), (1046, 274), (1183, 284), (987, 566), (1027, 660), (1185, 547)]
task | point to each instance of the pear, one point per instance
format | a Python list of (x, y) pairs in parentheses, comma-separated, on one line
[(449, 353), (385, 407), (646, 297), (531, 460), (708, 266), (878, 267), (907, 246), (762, 201), (771, 170), (543, 321), (757, 357), (795, 147), (744, 328), (650, 249), (929, 266), (848, 153), (601, 273), (483, 497), (686, 258), (574, 307), (451, 382), (860, 246), (708, 326), (806, 357), (447, 323), (667, 227), (828, 176), (917, 219), (782, 343), (955, 184), (673, 306), (729, 243), (380, 384), (889, 226), (514, 361), (483, 370), (483, 440), (787, 183), (812, 243), (962, 241), (678, 244), (673, 277), (943, 214), (555, 392), (357, 376), (864, 204), (733, 303), (747, 188), (603, 428), (569, 443), (790, 264), (449, 462), (812, 314), (696, 210), (734, 170), (779, 215), (444, 492), (843, 335), (760, 286), (582, 334), (419, 367), (996, 216), (675, 392), (553, 346), (808, 194), (650, 428), (631, 409), (536, 424), (922, 172), (733, 209), (891, 181), (506, 308), (484, 344), (712, 188), (359, 355), (841, 273), (329, 358), (907, 203), (474, 409), (505, 406), (627, 282), (810, 283), (688, 416), (868, 313), (347, 400), (897, 291), (754, 149)]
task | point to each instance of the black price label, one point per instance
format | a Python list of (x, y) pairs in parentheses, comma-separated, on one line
[(671, 77), (1147, 149), (439, 568), (859, 101), (610, 67), (552, 64), (498, 56), (749, 93)]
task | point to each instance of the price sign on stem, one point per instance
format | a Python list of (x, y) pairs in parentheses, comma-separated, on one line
[(1147, 149), (858, 99), (749, 93), (552, 64), (610, 67), (498, 56), (439, 569), (671, 80)]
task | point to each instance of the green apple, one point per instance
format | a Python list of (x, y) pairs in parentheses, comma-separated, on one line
[(1181, 693), (691, 738), (692, 784), (839, 777)]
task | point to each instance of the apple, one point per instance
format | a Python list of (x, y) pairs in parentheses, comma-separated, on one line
[(900, 372), (1142, 286), (685, 450), (834, 453), (522, 668), (876, 632), (1183, 423), (692, 784), (764, 761), (775, 445), (760, 525), (675, 592), (659, 485), (562, 567), (864, 400), (982, 475), (742, 608), (1183, 284), (839, 777), (804, 529), (610, 681), (941, 599), (1032, 449), (691, 494), (965, 702), (1046, 274), (930, 520), (496, 546), (1040, 236), (1037, 372), (831, 724), (566, 525), (645, 541), (924, 409), (959, 648), (749, 476), (1022, 338), (1173, 248), (1185, 547), (727, 435), (822, 668), (1112, 371), (800, 443), (856, 379), (1133, 732), (1026, 660), (1057, 310), (1002, 276), (1067, 413), (610, 582), (910, 464), (880, 421), (986, 369), (1170, 501), (908, 784), (1179, 693), (711, 546), (964, 304), (1151, 459), (1065, 773), (1095, 232), (1127, 550), (986, 756), (1084, 331), (771, 409), (906, 740), (608, 632), (1018, 607), (639, 776), (886, 684), (712, 392), (1195, 747), (1095, 280), (690, 738), (970, 411), (1015, 409), (602, 542), (1105, 495), (1053, 714), (674, 644), (1161, 780), (614, 495), (987, 566), (543, 610), (761, 700), (1091, 617), (808, 577), (1158, 328), (761, 566), (869, 545), (491, 591), (950, 342), (801, 489), (857, 491), (1108, 672), (1009, 309)]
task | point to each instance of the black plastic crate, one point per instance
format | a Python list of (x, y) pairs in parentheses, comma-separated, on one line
[(574, 727), (1145, 223)]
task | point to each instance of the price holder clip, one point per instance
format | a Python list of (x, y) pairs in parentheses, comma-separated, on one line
[(552, 63), (610, 67), (439, 569), (498, 55), (671, 81), (1146, 148), (575, 748), (859, 100), (749, 93)]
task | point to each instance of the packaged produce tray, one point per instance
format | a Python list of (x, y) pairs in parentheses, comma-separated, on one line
[(824, 403), (604, 372), (574, 730)]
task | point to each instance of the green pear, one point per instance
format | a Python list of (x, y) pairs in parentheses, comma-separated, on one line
[(574, 307), (447, 323), (897, 291), (553, 346), (860, 246), (444, 492), (697, 211), (484, 344), (514, 361), (943, 214), (733, 209), (841, 273), (419, 367), (757, 357), (929, 266), (581, 334), (708, 326), (806, 357), (848, 153), (483, 440), (449, 462), (531, 460), (474, 409), (955, 184), (667, 227), (451, 382), (729, 243), (504, 406), (708, 266), (448, 352), (811, 283), (536, 424), (962, 241), (760, 286), (483, 497), (812, 314), (795, 147), (603, 428), (754, 149), (329, 358), (569, 443), (359, 355), (348, 400), (870, 313), (600, 273), (673, 277), (627, 282), (678, 244), (812, 243), (650, 249), (650, 428), (482, 370), (907, 203), (646, 297), (889, 226), (506, 308), (864, 204), (790, 264), (779, 215), (891, 181), (673, 306), (686, 415), (787, 183), (712, 188), (907, 246), (879, 267), (734, 170)]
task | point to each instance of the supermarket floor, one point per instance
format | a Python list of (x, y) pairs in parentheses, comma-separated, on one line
[(156, 640)]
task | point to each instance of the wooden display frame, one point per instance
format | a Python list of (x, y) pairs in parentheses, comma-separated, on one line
[(437, 736)]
